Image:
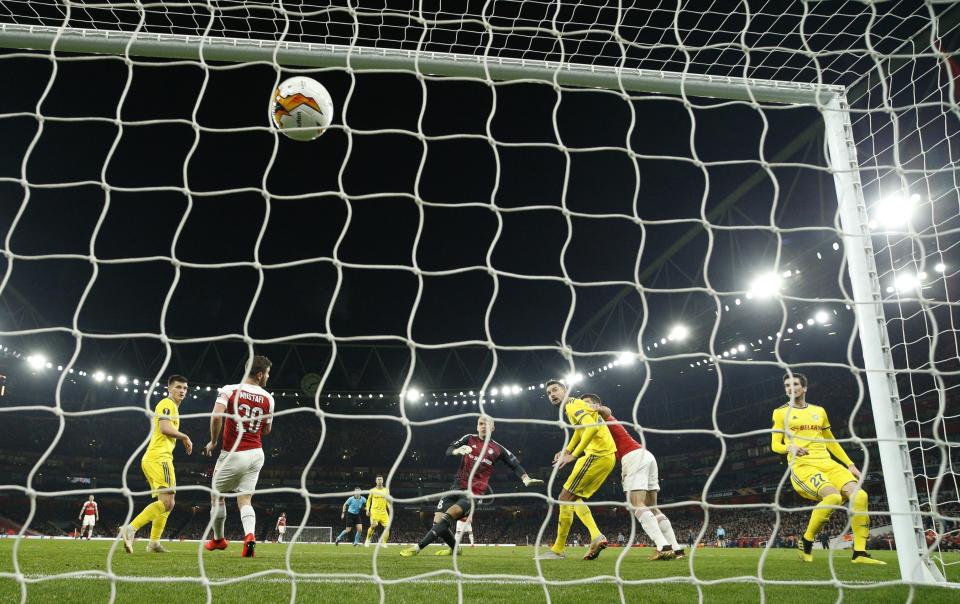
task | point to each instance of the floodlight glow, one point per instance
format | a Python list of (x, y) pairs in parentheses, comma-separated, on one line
[(99, 376), (494, 392), (766, 285), (809, 321), (821, 317), (905, 282), (741, 347), (122, 380), (517, 389), (679, 333), (893, 211), (37, 361), (940, 267), (413, 394)]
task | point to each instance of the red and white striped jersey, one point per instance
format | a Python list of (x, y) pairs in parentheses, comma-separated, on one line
[(90, 508), (246, 405)]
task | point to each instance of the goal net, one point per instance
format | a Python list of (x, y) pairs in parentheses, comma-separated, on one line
[(314, 534), (670, 205)]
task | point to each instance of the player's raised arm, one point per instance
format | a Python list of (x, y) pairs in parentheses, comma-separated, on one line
[(459, 446), (511, 460)]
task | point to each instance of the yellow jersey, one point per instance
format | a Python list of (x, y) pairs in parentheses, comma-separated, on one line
[(161, 446), (600, 440), (377, 502), (806, 427)]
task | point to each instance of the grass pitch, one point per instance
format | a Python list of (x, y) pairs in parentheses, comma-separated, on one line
[(323, 573)]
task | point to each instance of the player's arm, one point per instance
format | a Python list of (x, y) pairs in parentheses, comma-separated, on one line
[(459, 446), (268, 423), (96, 512), (165, 424), (837, 451), (343, 510), (587, 416), (514, 464), (366, 506), (776, 435), (216, 423)]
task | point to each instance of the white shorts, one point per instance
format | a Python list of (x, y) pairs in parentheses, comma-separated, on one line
[(281, 529), (639, 471), (238, 471), (90, 520), (464, 527)]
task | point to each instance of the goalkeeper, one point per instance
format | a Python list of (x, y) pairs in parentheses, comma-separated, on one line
[(483, 454)]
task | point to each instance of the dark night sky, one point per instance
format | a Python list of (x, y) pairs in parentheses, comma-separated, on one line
[(237, 175)]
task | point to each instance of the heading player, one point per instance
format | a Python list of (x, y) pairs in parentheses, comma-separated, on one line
[(378, 510), (802, 431), (596, 454), (281, 526), (245, 413), (350, 512), (90, 515), (640, 478), (157, 466), (476, 451)]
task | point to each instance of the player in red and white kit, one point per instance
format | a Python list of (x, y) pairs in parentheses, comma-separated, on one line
[(476, 451), (89, 515), (245, 411), (641, 481), (281, 526)]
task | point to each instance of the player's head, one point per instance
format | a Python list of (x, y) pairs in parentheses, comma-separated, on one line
[(260, 370), (90, 498), (283, 514), (485, 425), (592, 399), (795, 385), (356, 492), (177, 387), (379, 481), (556, 391)]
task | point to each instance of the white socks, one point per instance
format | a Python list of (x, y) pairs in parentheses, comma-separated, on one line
[(249, 519), (218, 517), (650, 526), (667, 529)]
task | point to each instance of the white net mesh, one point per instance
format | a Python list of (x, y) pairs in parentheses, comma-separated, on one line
[(449, 245)]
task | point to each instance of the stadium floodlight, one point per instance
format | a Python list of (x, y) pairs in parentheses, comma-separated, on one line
[(37, 361), (893, 211), (494, 391), (516, 389), (821, 317), (741, 347), (940, 267), (625, 358), (905, 282), (679, 333), (766, 285), (121, 379), (810, 321), (99, 376), (413, 394)]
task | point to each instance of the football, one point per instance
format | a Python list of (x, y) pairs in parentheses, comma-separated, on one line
[(302, 108)]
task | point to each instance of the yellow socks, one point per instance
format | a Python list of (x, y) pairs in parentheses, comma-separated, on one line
[(860, 522), (159, 523), (148, 515), (563, 528), (821, 514), (586, 517)]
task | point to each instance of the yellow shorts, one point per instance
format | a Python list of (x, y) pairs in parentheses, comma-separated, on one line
[(160, 475), (808, 477), (589, 473), (383, 519)]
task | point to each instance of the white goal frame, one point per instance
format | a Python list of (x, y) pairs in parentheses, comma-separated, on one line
[(915, 563), (298, 531)]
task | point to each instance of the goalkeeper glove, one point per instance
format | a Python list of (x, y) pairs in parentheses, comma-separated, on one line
[(527, 481), (462, 450)]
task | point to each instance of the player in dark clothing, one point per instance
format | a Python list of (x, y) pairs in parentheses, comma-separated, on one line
[(476, 451)]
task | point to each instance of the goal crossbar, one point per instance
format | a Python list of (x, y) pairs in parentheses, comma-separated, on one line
[(304, 54)]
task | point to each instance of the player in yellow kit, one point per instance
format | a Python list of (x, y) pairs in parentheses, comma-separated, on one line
[(802, 432), (596, 455), (157, 465), (378, 510)]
